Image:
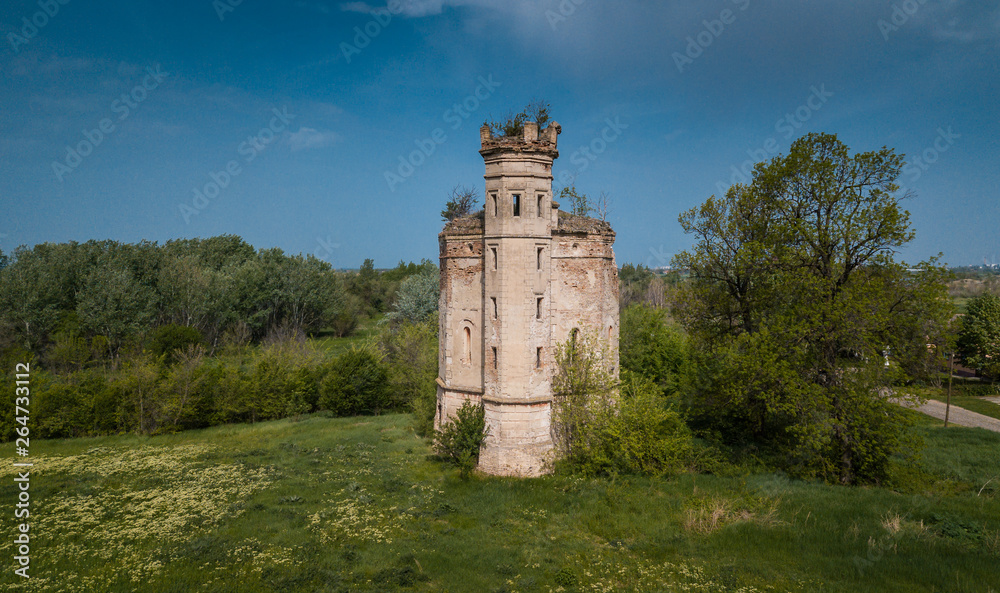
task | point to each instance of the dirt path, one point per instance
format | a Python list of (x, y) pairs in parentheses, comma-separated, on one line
[(959, 416)]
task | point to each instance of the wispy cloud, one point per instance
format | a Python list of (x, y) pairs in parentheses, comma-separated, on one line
[(419, 8), (307, 138)]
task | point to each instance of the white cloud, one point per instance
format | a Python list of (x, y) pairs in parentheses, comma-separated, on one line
[(307, 138), (419, 8)]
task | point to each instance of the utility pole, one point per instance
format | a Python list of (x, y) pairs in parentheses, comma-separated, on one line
[(951, 371)]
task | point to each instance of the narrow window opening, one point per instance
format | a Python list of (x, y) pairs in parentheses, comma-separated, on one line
[(538, 357), (493, 251), (495, 358), (572, 343), (540, 197), (538, 258), (495, 209), (468, 346), (517, 204), (538, 308), (495, 314), (610, 329)]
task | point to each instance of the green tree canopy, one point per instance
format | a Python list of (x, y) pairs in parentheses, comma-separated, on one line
[(979, 335), (796, 292)]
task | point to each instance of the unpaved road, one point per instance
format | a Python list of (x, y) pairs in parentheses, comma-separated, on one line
[(959, 416)]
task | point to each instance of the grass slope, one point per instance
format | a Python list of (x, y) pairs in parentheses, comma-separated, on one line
[(357, 505)]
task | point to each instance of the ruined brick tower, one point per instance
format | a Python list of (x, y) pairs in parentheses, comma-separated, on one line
[(517, 279)]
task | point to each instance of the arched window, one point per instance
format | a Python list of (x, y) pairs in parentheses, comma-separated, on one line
[(467, 353)]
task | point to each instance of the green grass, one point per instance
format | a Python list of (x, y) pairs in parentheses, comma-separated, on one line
[(366, 330), (961, 303), (357, 504)]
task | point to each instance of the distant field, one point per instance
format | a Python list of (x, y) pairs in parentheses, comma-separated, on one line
[(357, 505), (961, 304)]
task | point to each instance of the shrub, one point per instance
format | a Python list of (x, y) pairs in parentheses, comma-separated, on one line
[(460, 439), (170, 338), (357, 382), (412, 356), (606, 429)]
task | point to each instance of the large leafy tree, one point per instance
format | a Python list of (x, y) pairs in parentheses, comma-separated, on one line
[(796, 293), (979, 336)]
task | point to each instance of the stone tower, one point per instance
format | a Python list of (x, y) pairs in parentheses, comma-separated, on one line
[(517, 279)]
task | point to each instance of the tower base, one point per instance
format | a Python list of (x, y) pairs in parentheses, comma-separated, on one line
[(519, 442)]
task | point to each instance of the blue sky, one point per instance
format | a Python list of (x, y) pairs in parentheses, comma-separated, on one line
[(279, 121)]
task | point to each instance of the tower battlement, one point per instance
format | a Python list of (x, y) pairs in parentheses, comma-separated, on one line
[(531, 140)]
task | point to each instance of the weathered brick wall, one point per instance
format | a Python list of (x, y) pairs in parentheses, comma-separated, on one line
[(460, 355)]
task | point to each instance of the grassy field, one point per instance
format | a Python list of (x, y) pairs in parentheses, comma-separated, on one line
[(323, 504)]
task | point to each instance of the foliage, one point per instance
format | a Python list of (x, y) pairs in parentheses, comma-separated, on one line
[(579, 204), (116, 292), (603, 428), (653, 346), (417, 298), (796, 295), (114, 304), (461, 202), (166, 340), (511, 124), (411, 353), (461, 438), (637, 284), (357, 382), (979, 336)]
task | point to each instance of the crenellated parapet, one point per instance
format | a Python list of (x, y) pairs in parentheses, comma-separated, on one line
[(531, 140)]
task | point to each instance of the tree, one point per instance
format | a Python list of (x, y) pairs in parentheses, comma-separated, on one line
[(654, 347), (796, 294), (113, 304), (579, 204), (979, 336), (461, 202), (417, 298)]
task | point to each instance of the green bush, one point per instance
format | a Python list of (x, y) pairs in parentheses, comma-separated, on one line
[(357, 382), (412, 356), (630, 431), (603, 428), (459, 440), (168, 339)]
